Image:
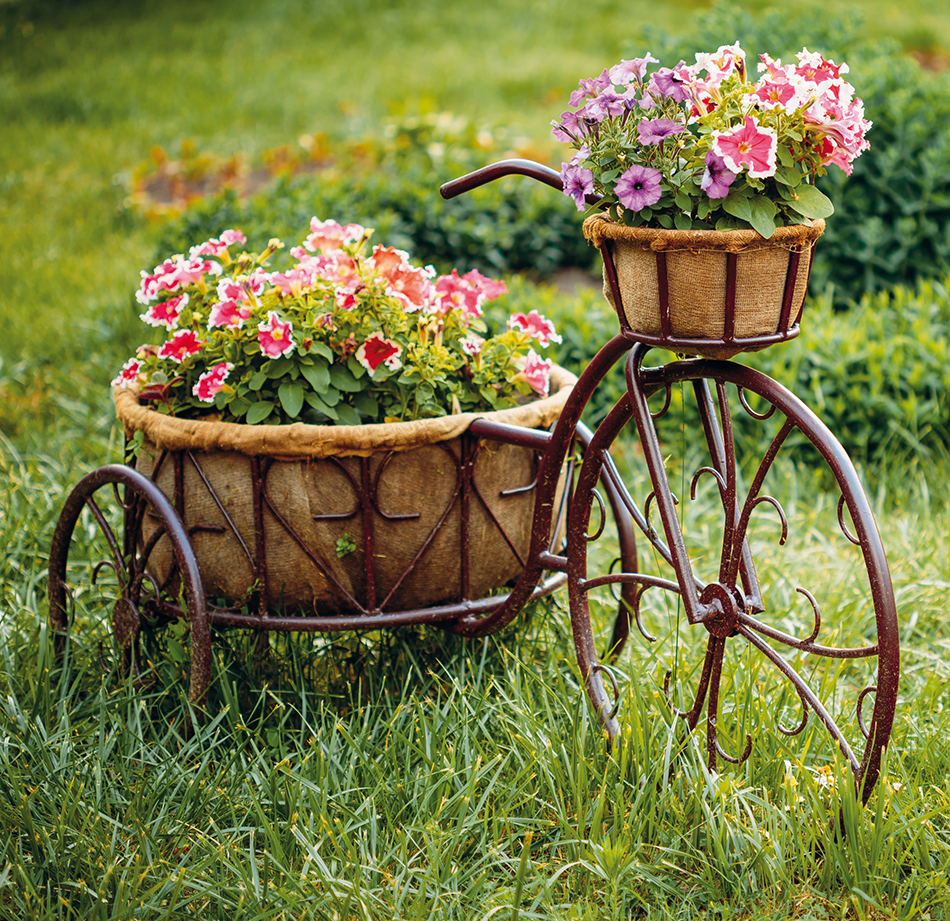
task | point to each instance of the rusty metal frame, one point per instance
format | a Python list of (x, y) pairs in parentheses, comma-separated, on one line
[(730, 607)]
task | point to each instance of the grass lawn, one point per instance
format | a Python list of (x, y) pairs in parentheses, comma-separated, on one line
[(374, 777)]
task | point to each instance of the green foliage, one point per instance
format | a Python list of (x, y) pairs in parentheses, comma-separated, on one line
[(877, 375), (892, 215), (392, 185)]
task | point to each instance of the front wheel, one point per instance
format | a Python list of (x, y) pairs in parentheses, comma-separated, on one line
[(763, 588)]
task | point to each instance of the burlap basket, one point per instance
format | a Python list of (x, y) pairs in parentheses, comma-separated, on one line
[(694, 269), (315, 482)]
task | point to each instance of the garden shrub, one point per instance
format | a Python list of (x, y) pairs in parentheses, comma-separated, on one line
[(892, 215), (392, 185), (878, 375)]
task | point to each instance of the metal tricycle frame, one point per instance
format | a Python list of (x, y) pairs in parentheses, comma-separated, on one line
[(727, 607)]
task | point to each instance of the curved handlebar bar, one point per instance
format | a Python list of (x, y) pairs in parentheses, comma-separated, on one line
[(513, 167)]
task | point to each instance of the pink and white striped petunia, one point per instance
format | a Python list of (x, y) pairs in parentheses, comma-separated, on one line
[(129, 373), (229, 314), (275, 336), (472, 345), (453, 291), (165, 313), (749, 147), (536, 372), (212, 381), (378, 350), (182, 344), (536, 326)]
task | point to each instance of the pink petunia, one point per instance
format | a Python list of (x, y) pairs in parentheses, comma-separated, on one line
[(489, 288), (292, 283), (129, 373), (775, 95), (182, 344), (275, 336), (165, 313), (229, 314), (455, 292), (814, 68), (336, 268), (212, 381), (192, 271), (536, 372), (403, 280), (378, 350), (161, 279), (750, 146), (536, 326), (329, 235)]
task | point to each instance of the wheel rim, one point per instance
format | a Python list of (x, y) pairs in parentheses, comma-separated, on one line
[(732, 608)]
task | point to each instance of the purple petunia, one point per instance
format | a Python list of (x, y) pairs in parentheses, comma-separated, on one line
[(639, 187), (590, 88), (717, 178), (578, 183), (671, 83), (657, 130), (629, 71)]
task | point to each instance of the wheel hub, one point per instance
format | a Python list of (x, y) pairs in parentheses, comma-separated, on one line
[(722, 605)]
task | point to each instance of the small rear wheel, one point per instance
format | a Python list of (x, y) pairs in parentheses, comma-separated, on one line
[(100, 566)]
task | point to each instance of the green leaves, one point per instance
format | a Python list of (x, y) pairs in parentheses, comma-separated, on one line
[(291, 397), (757, 211), (811, 202)]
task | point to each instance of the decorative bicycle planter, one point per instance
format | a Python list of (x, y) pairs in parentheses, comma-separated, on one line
[(716, 569)]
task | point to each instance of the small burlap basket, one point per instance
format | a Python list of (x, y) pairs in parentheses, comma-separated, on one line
[(313, 477), (696, 280)]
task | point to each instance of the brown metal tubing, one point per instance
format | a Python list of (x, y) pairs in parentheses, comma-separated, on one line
[(380, 621), (548, 475), (729, 320), (695, 611), (510, 167)]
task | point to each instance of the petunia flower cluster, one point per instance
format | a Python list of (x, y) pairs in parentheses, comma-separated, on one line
[(700, 146), (343, 334)]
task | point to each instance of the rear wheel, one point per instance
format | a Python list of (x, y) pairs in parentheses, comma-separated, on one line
[(99, 566)]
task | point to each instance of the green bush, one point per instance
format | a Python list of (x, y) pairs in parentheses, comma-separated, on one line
[(877, 375), (514, 225), (892, 215)]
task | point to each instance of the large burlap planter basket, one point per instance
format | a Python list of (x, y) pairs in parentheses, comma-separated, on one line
[(691, 269), (328, 488)]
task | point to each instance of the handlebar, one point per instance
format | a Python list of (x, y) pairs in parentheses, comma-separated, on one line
[(513, 167)]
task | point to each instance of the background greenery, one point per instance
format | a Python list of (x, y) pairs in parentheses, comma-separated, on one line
[(505, 803)]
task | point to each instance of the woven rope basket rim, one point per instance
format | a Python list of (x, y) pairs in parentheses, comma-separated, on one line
[(299, 440), (599, 227)]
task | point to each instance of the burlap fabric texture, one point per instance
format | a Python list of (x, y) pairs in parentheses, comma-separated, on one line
[(696, 279), (313, 481)]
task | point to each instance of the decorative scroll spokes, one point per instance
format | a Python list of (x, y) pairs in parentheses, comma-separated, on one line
[(732, 604)]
